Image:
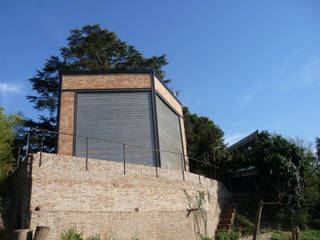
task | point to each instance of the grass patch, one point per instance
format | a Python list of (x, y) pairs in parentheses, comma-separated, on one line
[(304, 235), (223, 235)]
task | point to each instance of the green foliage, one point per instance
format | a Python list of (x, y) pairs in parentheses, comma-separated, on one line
[(205, 238), (205, 141), (276, 236), (310, 235), (304, 235), (283, 169), (243, 225), (71, 234), (94, 238), (90, 48), (198, 202), (7, 136), (224, 235)]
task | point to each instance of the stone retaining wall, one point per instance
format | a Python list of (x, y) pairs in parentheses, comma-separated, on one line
[(104, 201)]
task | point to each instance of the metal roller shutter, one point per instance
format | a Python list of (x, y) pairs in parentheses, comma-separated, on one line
[(169, 136), (124, 117)]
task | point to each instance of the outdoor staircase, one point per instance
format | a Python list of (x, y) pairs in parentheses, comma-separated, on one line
[(227, 217)]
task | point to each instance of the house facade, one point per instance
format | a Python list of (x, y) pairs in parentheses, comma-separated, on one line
[(121, 115)]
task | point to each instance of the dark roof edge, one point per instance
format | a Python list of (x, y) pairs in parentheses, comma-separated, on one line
[(151, 71), (104, 72), (244, 141)]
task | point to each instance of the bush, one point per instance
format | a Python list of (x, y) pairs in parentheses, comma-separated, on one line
[(276, 236), (243, 225), (223, 235), (71, 234), (94, 238), (205, 238), (310, 235)]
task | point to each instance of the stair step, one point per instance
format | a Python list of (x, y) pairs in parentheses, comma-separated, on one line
[(229, 210), (225, 221), (224, 226), (231, 205), (227, 215)]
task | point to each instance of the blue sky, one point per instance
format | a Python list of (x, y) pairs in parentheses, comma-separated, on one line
[(246, 65)]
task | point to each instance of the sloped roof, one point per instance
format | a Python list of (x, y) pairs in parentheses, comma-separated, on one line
[(244, 141)]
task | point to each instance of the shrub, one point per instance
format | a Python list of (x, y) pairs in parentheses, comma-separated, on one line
[(223, 235), (94, 238), (276, 236), (205, 238), (243, 225), (310, 235), (71, 234)]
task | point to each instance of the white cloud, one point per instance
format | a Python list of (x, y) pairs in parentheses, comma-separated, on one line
[(292, 57), (234, 138), (9, 88), (311, 72), (246, 98), (304, 75)]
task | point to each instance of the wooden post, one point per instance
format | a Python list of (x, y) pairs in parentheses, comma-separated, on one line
[(258, 218), (297, 233), (41, 233), (87, 149)]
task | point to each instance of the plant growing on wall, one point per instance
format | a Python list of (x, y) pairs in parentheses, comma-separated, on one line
[(71, 234), (197, 203)]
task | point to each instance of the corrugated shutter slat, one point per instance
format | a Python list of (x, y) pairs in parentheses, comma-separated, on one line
[(169, 136), (124, 117)]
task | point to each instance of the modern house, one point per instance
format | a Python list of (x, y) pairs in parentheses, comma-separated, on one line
[(116, 115)]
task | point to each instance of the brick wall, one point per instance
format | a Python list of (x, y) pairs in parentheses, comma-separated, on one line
[(104, 201), (65, 143), (167, 95), (106, 81)]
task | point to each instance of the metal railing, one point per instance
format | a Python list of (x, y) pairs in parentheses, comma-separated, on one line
[(36, 140)]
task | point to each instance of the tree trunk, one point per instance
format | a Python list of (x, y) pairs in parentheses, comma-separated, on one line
[(41, 233), (293, 233)]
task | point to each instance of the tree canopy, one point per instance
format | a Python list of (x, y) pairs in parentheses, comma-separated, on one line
[(284, 175), (90, 48), (318, 148), (7, 136), (205, 142)]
